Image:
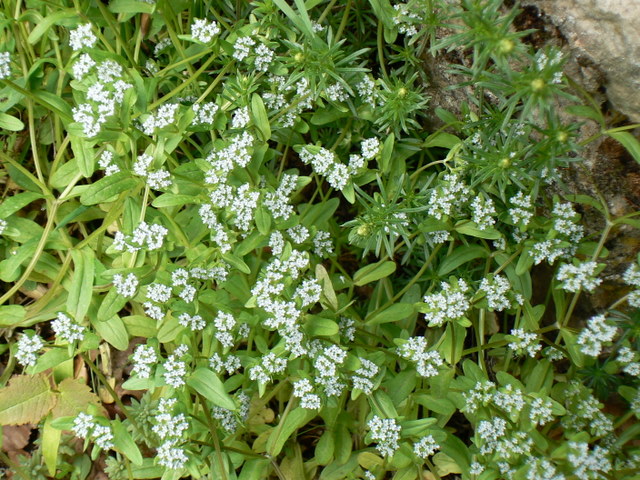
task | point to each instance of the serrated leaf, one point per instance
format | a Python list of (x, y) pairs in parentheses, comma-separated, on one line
[(207, 384), (296, 418), (108, 187), (27, 399), (74, 397), (81, 289), (374, 272)]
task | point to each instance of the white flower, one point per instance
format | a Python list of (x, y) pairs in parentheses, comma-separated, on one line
[(204, 113), (175, 371), (242, 47), (496, 291), (370, 148), (82, 66), (103, 437), (322, 245), (82, 37), (415, 350), (522, 211), (144, 357), (91, 121), (158, 293), (450, 304), (3, 226), (308, 292), (240, 118), (598, 331), (264, 57), (426, 447), (172, 457), (66, 330), (578, 277), (483, 212), (82, 425), (336, 93), (524, 342), (28, 346), (5, 65), (386, 432), (310, 401), (125, 286), (298, 233), (204, 31), (632, 275)]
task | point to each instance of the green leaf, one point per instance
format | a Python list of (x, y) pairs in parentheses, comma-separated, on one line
[(51, 358), (16, 202), (131, 6), (43, 25), (302, 22), (207, 384), (382, 405), (11, 123), (329, 297), (11, 315), (339, 470), (629, 142), (317, 326), (445, 464), (10, 268), (173, 200), (460, 256), (324, 448), (394, 313), (84, 155), (296, 418), (441, 139), (112, 331), (263, 220), (472, 230), (81, 289), (236, 262), (586, 112), (374, 272), (387, 151), (108, 187), (260, 117), (50, 444), (124, 442), (27, 399), (111, 304)]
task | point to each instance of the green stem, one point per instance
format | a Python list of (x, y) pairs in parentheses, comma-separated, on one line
[(214, 434), (343, 22), (381, 50)]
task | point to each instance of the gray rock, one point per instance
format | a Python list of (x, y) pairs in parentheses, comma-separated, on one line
[(608, 33)]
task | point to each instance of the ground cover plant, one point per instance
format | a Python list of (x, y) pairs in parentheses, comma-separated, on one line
[(237, 241)]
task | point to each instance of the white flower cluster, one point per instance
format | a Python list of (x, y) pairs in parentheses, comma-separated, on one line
[(278, 202), (3, 226), (303, 389), (584, 412), (628, 358), (325, 163), (264, 57), (164, 116), (228, 419), (28, 346), (386, 432), (224, 324), (298, 233), (175, 369), (524, 343), (483, 212), (425, 447), (541, 411), (548, 250), (240, 118), (106, 161), (170, 429), (270, 365), (327, 364), (415, 350), (449, 304), (5, 65), (144, 357), (242, 47), (219, 234), (85, 426), (497, 438), (579, 277), (204, 31), (597, 332), (237, 153), (589, 464), (347, 328), (496, 290), (230, 363), (308, 292), (632, 277), (367, 91), (521, 212), (204, 113), (336, 93), (157, 179), (322, 244), (566, 222), (543, 469), (146, 236), (195, 323), (126, 286), (82, 37), (363, 377), (106, 93), (450, 193), (405, 20), (66, 330)]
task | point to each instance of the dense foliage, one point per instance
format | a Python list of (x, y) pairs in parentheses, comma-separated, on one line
[(237, 240)]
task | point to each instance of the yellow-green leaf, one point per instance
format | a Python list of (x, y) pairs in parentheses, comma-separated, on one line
[(374, 272), (108, 187), (207, 384), (81, 289), (27, 399), (75, 397)]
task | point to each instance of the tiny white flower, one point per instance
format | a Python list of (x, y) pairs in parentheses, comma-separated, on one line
[(204, 31), (66, 330), (82, 37), (28, 346), (5, 65)]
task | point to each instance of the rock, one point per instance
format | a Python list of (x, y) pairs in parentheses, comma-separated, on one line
[(607, 32)]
